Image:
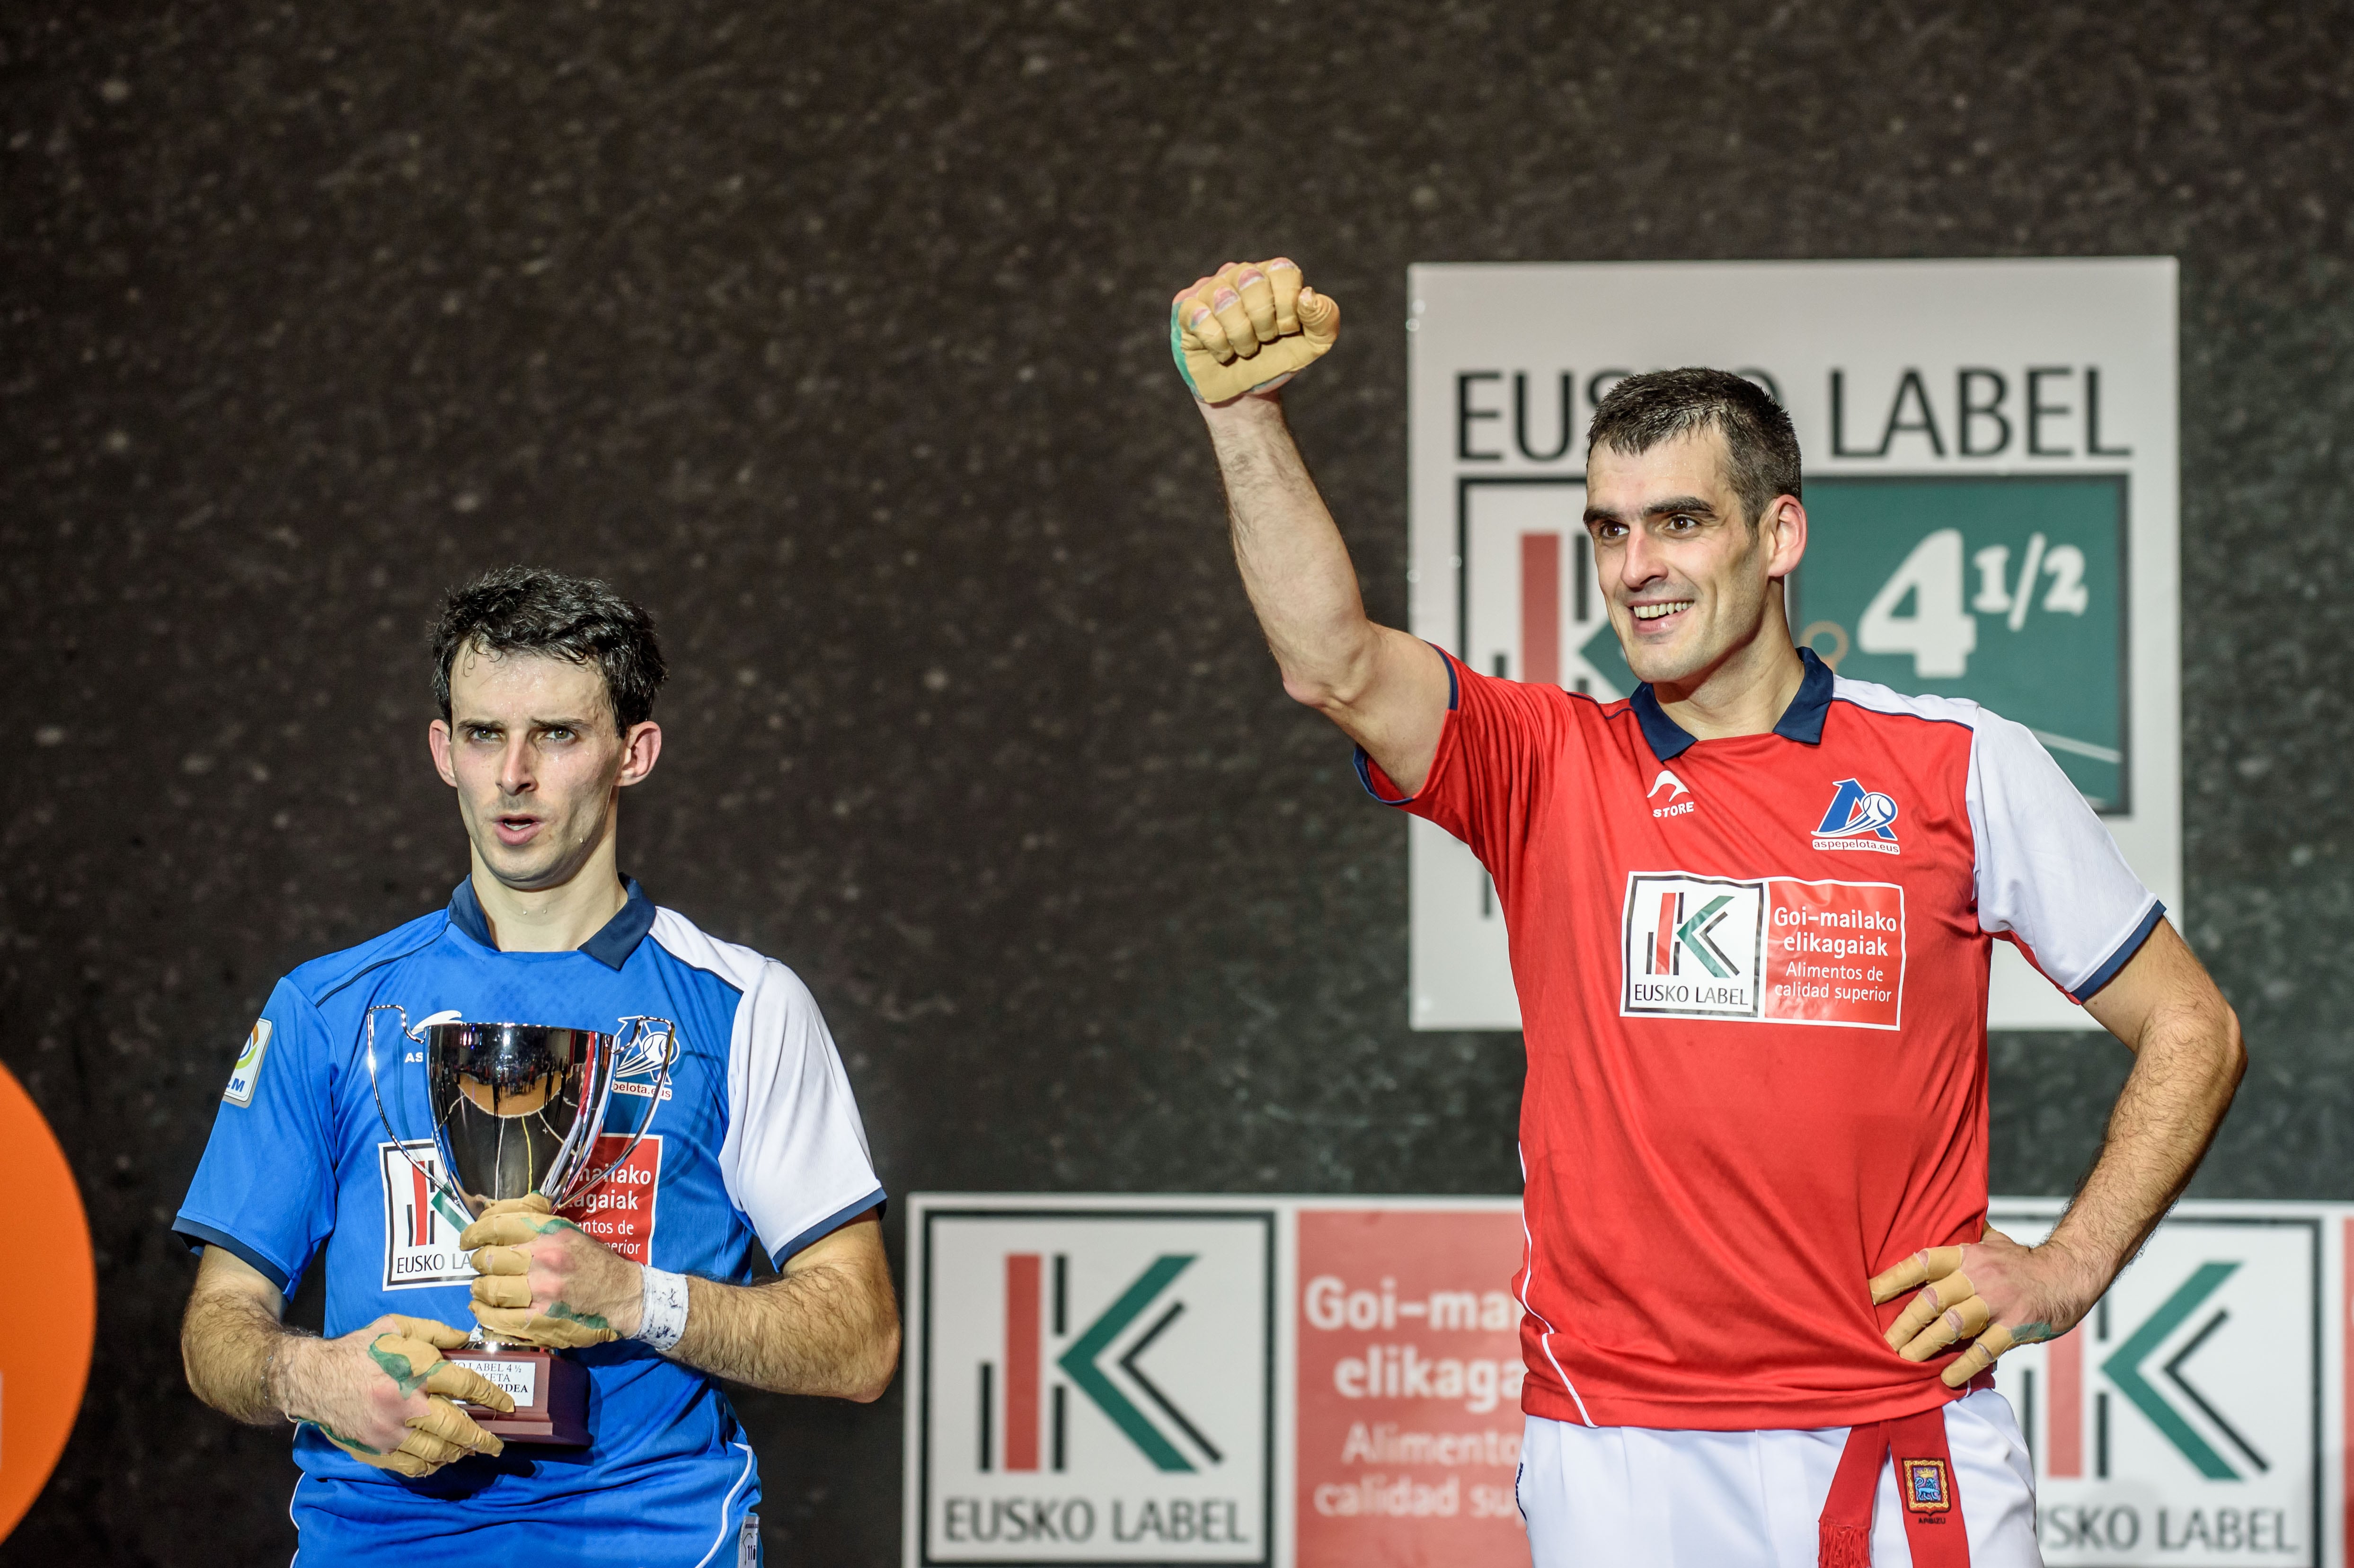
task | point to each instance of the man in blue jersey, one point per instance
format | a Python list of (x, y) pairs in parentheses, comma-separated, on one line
[(546, 685)]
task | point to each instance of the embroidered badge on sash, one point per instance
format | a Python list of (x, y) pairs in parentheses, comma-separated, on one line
[(1927, 1488)]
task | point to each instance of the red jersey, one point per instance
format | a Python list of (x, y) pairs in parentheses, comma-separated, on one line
[(1752, 980)]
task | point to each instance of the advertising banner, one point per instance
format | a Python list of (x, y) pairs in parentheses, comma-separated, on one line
[(1407, 1378), (1104, 1387), (1314, 1382), (1990, 452)]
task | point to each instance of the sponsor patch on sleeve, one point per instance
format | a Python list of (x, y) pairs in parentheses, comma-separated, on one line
[(1769, 949), (619, 1210), (247, 1071)]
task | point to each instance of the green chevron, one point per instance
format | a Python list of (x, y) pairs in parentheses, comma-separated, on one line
[(1078, 1362), (1690, 934), (450, 1210), (2125, 1368)]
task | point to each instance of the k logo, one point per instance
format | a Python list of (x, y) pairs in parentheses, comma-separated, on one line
[(1080, 1363), (1096, 1383), (421, 1222)]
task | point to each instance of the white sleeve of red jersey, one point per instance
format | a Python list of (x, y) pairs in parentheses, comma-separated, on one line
[(795, 1159), (2049, 874)]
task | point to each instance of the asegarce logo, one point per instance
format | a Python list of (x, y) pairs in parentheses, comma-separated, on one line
[(1859, 819)]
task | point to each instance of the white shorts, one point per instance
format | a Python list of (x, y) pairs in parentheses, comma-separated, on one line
[(1602, 1497)]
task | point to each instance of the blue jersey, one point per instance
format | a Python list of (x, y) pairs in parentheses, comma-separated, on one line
[(754, 1139)]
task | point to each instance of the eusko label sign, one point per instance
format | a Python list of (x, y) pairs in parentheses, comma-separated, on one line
[(1095, 1384), (1315, 1383), (2185, 1420)]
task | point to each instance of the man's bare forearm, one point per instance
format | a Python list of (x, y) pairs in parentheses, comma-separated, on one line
[(2188, 1062), (229, 1342), (2182, 1083), (830, 1330), (1294, 564)]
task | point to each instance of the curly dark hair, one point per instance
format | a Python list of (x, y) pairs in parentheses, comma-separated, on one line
[(578, 619), (1642, 411)]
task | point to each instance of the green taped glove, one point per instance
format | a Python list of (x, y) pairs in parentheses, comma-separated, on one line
[(1249, 327)]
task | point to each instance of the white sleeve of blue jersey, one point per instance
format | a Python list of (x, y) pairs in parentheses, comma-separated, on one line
[(265, 1188), (2049, 874), (794, 1159)]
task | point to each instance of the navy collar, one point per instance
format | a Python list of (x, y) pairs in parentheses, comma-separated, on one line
[(1801, 721), (610, 947)]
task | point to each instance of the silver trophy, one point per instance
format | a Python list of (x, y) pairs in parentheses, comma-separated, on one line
[(514, 1110)]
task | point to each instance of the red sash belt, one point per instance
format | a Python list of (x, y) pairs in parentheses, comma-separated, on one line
[(1925, 1485)]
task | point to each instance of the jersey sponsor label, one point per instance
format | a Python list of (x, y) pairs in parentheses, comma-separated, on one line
[(247, 1071), (1858, 819), (1772, 949), (1695, 946), (421, 1222), (619, 1210), (647, 1058)]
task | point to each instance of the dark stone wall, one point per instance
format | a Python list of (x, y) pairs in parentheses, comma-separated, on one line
[(836, 333)]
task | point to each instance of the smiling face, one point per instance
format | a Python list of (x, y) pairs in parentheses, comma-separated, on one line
[(1690, 580), (531, 748)]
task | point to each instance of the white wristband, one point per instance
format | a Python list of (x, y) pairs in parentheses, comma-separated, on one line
[(661, 1307)]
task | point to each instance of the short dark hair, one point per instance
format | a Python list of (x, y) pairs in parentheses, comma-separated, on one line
[(1642, 411), (525, 610)]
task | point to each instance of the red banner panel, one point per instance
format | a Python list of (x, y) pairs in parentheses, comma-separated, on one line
[(1409, 1389)]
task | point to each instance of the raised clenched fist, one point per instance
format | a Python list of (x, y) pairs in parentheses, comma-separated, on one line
[(1249, 327)]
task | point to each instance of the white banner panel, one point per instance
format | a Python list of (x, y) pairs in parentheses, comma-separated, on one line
[(2186, 1420), (1990, 485), (1333, 1382)]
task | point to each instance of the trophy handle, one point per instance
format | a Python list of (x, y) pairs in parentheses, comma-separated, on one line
[(573, 1187), (376, 1085)]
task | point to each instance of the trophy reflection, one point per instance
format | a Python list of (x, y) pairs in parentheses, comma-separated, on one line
[(513, 1109)]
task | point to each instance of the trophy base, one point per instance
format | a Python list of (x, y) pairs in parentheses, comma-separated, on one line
[(550, 1393)]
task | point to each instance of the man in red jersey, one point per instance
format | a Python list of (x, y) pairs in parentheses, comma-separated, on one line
[(1751, 911)]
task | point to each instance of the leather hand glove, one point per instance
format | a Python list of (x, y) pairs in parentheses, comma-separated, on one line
[(1252, 326), (502, 1297), (1949, 1310), (409, 1356)]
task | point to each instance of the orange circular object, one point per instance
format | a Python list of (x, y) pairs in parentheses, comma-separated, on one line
[(48, 1315)]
